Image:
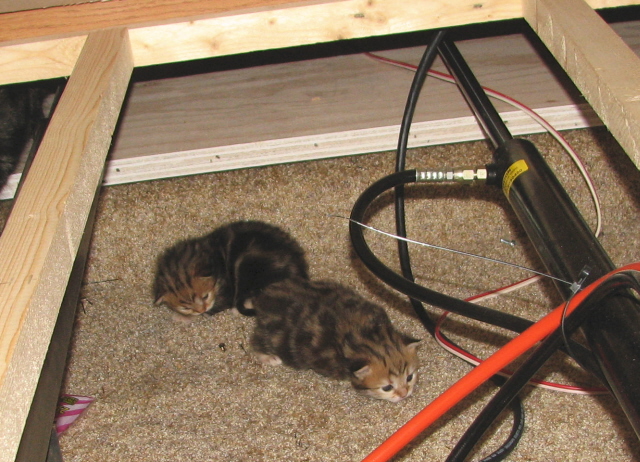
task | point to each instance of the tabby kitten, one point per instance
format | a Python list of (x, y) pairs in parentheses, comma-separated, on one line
[(329, 328), (226, 268)]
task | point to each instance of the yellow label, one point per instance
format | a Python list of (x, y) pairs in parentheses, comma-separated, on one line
[(513, 172)]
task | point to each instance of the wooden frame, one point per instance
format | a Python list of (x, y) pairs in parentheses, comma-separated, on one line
[(98, 44), (40, 241), (606, 71)]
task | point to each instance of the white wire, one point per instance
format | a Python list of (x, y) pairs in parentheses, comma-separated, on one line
[(576, 160), (574, 391), (447, 249)]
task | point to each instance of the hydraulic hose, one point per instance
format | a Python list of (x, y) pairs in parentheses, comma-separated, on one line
[(400, 283), (499, 136), (564, 242), (423, 294), (403, 249), (403, 140)]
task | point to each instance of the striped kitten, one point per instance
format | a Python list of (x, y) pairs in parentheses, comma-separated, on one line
[(226, 268), (332, 330)]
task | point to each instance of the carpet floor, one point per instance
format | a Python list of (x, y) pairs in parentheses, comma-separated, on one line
[(167, 390)]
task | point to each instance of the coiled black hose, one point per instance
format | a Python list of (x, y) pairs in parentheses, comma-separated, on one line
[(403, 250), (405, 282), (402, 284)]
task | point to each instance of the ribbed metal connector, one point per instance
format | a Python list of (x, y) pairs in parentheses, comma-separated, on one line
[(457, 175)]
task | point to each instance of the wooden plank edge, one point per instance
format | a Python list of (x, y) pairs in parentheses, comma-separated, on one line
[(11, 6), (39, 61), (314, 147), (52, 56), (68, 20), (40, 241), (83, 18), (241, 31), (607, 71)]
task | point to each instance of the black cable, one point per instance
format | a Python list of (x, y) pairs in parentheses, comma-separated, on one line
[(410, 288), (486, 114), (419, 77), (610, 287), (405, 282), (423, 294), (403, 249), (517, 429)]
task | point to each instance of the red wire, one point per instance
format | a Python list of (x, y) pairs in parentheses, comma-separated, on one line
[(507, 372), (482, 373), (491, 366), (439, 337), (474, 359), (438, 74)]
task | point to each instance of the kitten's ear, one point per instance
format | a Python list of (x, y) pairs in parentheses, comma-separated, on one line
[(411, 343), (362, 372), (203, 280), (360, 369)]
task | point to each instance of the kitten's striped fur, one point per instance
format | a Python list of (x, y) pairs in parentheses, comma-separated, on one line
[(184, 280), (226, 268), (332, 330)]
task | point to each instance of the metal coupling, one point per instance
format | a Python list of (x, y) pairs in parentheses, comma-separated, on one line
[(457, 175)]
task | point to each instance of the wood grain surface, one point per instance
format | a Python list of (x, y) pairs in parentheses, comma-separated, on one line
[(41, 237)]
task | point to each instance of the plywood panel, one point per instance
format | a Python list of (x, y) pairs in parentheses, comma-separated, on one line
[(320, 96)]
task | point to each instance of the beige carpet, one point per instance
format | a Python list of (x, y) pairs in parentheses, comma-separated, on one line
[(176, 391)]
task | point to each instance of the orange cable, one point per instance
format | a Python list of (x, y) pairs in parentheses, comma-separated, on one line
[(480, 374)]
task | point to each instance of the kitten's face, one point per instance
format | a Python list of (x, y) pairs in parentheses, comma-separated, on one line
[(191, 298), (183, 280), (391, 378)]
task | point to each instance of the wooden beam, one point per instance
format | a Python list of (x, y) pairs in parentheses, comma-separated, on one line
[(41, 44), (163, 34), (72, 20), (10, 6), (67, 20), (39, 243), (40, 60), (81, 19), (601, 65), (328, 21)]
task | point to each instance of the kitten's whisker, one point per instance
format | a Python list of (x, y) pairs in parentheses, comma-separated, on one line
[(459, 252)]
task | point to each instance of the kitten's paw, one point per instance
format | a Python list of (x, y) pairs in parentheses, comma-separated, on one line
[(234, 311), (246, 309), (269, 360)]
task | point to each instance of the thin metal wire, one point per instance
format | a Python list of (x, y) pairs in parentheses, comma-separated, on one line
[(459, 252)]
